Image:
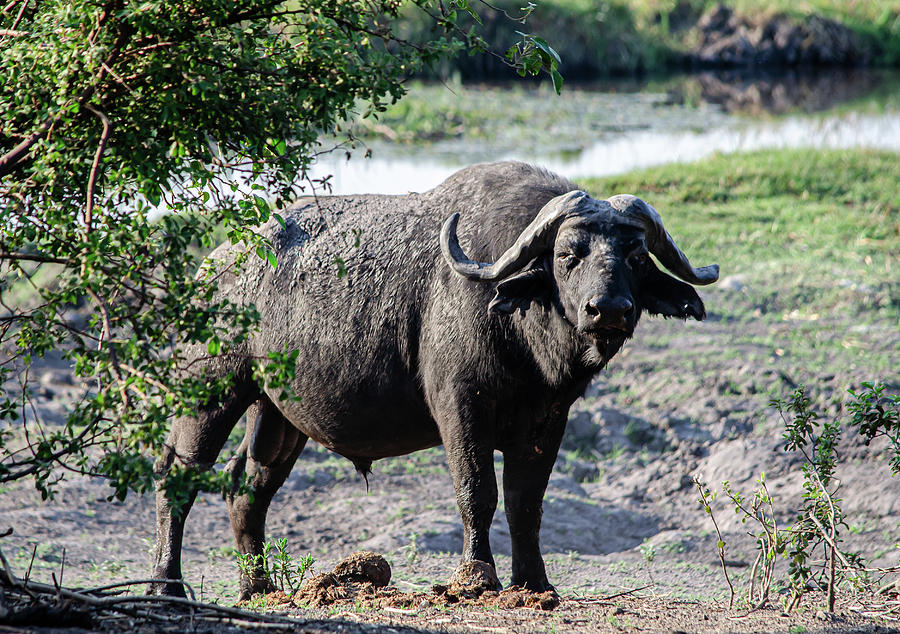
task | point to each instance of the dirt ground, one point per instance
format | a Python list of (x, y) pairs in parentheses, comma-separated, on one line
[(625, 540)]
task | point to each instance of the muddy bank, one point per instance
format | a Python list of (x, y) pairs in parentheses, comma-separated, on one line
[(728, 39)]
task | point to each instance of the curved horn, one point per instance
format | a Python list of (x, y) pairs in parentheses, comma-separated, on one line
[(536, 236), (661, 243)]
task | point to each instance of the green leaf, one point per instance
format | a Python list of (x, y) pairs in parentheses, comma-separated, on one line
[(153, 196), (273, 261), (541, 43), (464, 5), (557, 80)]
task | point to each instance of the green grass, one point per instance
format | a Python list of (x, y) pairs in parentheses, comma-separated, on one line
[(870, 10), (812, 237)]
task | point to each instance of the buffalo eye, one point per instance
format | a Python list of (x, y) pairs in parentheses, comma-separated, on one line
[(639, 260), (567, 258)]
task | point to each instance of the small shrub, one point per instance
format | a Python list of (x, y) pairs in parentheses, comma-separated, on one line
[(815, 535), (277, 565)]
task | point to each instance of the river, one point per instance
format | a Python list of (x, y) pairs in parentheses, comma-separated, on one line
[(620, 126)]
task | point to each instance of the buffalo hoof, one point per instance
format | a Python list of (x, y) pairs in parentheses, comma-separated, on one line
[(541, 585), (472, 578), (250, 587)]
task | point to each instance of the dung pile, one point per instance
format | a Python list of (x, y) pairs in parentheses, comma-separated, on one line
[(362, 574)]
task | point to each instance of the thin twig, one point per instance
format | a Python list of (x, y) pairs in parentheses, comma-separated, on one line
[(62, 567), (6, 568), (33, 257), (148, 379), (626, 592), (19, 17), (30, 563), (113, 358), (720, 550)]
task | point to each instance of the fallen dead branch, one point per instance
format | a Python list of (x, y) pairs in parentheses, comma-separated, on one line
[(30, 602)]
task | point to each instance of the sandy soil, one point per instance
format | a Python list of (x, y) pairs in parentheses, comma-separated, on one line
[(681, 400)]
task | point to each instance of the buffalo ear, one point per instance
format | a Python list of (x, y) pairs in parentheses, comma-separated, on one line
[(517, 291), (662, 294)]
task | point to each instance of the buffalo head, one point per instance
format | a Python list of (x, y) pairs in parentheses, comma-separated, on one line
[(591, 259)]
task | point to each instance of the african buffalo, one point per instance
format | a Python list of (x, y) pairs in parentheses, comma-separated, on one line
[(417, 344)]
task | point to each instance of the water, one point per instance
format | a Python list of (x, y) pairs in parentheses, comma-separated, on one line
[(598, 131)]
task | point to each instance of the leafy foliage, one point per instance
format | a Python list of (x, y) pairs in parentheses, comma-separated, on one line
[(820, 508), (135, 136), (877, 414)]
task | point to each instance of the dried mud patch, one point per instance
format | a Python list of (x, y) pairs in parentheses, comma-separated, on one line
[(389, 610)]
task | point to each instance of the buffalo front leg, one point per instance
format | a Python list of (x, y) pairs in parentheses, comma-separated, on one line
[(194, 443), (469, 444), (271, 447), (526, 472)]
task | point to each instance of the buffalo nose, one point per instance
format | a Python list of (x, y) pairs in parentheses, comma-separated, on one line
[(602, 311)]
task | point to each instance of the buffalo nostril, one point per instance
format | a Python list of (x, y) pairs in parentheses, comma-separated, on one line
[(608, 310)]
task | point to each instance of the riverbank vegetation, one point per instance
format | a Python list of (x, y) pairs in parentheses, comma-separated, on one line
[(609, 38)]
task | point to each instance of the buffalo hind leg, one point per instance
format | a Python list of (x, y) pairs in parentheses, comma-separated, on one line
[(270, 448), (194, 442)]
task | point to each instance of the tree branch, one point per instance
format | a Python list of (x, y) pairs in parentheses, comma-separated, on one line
[(92, 180), (33, 257), (21, 13), (11, 159), (113, 358)]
